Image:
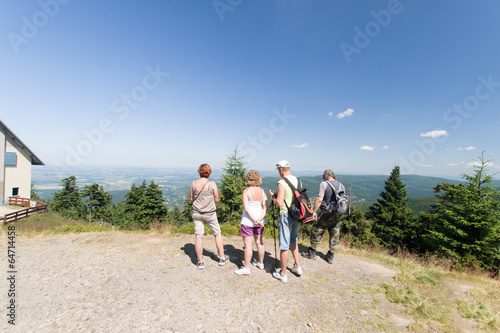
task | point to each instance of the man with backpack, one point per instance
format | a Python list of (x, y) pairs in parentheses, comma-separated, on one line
[(333, 203), (288, 227)]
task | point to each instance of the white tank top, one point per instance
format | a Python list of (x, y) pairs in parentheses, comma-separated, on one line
[(255, 207)]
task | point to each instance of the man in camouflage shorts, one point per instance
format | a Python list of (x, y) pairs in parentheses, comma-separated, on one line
[(327, 220)]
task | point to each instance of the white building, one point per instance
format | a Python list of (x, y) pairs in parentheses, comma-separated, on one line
[(16, 160)]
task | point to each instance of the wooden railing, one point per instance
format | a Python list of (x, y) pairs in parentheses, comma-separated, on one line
[(35, 207)]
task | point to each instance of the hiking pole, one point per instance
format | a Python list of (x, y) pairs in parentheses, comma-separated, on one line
[(273, 215)]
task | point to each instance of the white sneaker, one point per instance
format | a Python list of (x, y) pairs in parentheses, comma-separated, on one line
[(257, 264), (242, 271), (277, 274), (296, 270)]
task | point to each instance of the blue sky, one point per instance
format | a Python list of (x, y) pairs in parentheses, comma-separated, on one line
[(358, 87)]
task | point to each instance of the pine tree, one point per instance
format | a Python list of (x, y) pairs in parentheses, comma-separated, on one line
[(391, 218), (98, 203), (230, 207), (68, 201), (144, 203), (465, 223), (34, 195), (357, 230)]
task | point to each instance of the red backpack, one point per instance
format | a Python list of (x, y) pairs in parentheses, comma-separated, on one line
[(301, 209)]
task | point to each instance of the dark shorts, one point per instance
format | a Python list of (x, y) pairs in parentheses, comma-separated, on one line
[(250, 231)]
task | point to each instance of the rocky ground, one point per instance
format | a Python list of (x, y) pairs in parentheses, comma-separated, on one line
[(129, 282)]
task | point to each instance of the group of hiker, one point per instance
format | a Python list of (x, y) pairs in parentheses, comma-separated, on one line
[(204, 196)]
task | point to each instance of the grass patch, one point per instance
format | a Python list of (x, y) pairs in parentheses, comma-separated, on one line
[(51, 223), (81, 228), (431, 292)]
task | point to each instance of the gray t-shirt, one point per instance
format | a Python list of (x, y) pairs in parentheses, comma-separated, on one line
[(326, 192)]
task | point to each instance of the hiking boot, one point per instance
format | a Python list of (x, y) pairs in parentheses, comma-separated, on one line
[(310, 254), (200, 265), (257, 264), (329, 257), (296, 270), (224, 260), (242, 271), (277, 274)]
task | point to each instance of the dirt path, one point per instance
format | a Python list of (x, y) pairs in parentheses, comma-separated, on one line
[(125, 282)]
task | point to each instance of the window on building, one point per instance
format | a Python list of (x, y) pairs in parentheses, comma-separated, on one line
[(10, 159), (15, 191)]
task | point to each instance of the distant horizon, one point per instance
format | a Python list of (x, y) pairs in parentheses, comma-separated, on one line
[(217, 171)]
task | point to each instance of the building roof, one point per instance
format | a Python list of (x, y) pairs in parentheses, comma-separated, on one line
[(34, 159)]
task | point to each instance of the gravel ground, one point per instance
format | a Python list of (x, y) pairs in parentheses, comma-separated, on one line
[(127, 282)]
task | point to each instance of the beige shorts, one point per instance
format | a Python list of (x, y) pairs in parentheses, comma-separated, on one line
[(210, 219)]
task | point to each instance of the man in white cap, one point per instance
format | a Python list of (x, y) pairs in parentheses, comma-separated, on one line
[(288, 228)]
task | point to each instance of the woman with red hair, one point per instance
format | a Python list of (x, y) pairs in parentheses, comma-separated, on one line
[(204, 196)]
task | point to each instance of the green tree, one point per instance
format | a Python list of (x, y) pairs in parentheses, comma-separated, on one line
[(465, 223), (357, 229), (230, 207), (144, 204), (187, 210), (34, 193), (98, 202), (68, 201), (392, 220)]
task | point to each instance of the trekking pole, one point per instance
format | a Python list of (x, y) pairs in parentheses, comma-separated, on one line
[(273, 215)]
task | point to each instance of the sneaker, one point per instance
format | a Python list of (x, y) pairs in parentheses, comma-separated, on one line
[(329, 257), (310, 254), (277, 274), (222, 262), (296, 270), (242, 271), (257, 264), (200, 265)]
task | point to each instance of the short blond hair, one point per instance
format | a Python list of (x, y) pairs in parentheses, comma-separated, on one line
[(253, 178)]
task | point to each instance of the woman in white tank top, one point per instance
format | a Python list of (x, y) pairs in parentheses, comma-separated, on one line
[(252, 221)]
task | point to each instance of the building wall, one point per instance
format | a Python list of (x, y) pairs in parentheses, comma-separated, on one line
[(20, 175), (2, 169)]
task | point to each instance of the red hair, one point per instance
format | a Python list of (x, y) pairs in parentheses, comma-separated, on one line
[(204, 170)]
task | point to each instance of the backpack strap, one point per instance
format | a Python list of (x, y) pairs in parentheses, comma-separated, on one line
[(334, 196), (293, 189)]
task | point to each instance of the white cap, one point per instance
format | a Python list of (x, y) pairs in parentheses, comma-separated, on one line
[(283, 164)]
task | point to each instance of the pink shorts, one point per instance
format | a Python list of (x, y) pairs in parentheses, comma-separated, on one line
[(250, 231)]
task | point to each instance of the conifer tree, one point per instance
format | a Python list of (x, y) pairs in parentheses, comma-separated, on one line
[(391, 217), (465, 223), (98, 202), (144, 203), (230, 207), (34, 195), (68, 201)]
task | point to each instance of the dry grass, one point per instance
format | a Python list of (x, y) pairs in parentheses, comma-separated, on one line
[(431, 292)]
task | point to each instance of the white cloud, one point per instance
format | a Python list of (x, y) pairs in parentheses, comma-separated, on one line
[(304, 145), (330, 114), (426, 165), (478, 164), (367, 148), (459, 149), (346, 113), (385, 147), (470, 148), (452, 164), (435, 134)]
